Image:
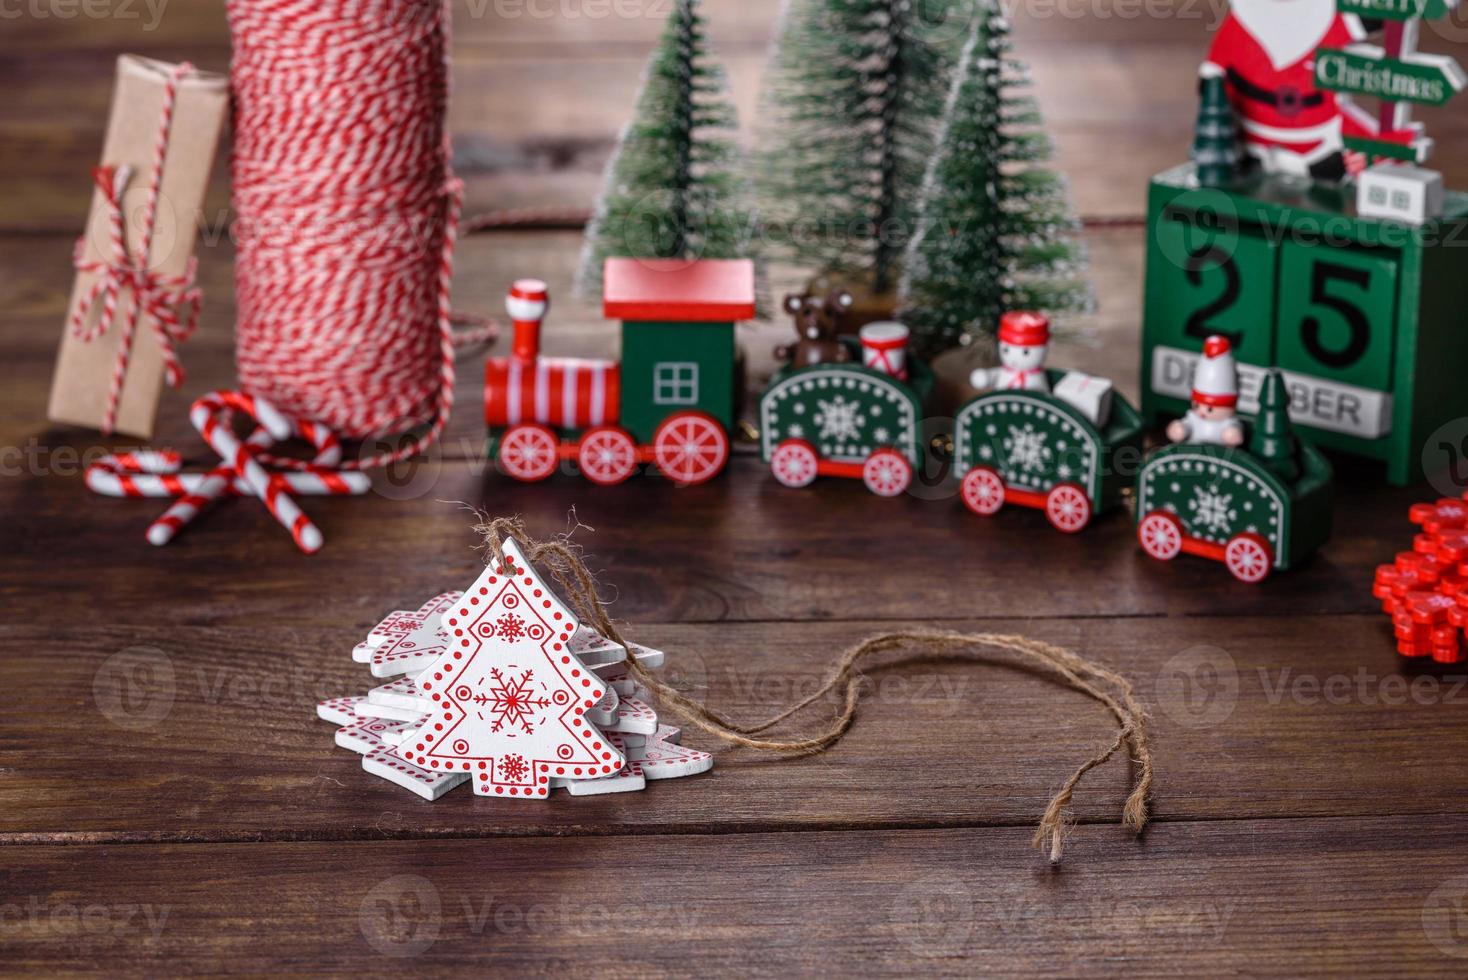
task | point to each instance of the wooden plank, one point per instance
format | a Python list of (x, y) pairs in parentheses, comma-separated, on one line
[(548, 152), (194, 699), (556, 26), (760, 551), (1361, 897)]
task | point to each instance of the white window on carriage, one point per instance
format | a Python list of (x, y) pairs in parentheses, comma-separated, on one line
[(675, 383)]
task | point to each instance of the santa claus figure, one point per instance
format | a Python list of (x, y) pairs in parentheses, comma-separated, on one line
[(1024, 340), (1265, 52), (1214, 415)]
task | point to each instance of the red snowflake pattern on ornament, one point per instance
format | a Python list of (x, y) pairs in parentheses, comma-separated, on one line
[(513, 701), (514, 769), (510, 627)]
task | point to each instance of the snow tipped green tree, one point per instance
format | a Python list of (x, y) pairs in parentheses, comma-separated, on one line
[(854, 95), (996, 230), (672, 188)]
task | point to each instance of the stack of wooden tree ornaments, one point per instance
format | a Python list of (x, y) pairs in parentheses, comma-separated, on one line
[(1425, 590), (501, 686)]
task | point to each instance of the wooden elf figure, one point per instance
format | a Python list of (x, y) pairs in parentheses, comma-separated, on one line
[(1265, 53), (1214, 415), (1024, 341)]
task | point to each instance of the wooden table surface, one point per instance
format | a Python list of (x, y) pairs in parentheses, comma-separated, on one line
[(169, 801)]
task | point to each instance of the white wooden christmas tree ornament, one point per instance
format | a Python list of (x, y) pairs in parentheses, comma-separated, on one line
[(510, 699), (501, 687)]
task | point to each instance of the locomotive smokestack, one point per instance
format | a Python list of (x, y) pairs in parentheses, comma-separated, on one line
[(527, 302)]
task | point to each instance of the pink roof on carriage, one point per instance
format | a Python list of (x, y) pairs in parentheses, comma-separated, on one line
[(704, 291)]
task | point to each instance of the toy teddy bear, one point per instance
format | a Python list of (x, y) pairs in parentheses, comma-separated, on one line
[(818, 325)]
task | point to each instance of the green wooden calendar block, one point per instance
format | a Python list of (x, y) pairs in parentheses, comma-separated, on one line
[(1212, 278), (1365, 317), (1337, 314)]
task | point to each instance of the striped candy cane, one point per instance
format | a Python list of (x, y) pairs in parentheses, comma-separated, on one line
[(110, 480), (142, 461), (210, 414), (314, 480), (192, 503)]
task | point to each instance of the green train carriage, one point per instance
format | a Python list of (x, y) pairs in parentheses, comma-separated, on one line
[(1257, 510), (1033, 449), (846, 420)]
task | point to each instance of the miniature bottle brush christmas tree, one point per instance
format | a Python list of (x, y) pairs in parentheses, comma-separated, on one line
[(672, 188), (855, 96), (995, 229), (1216, 152)]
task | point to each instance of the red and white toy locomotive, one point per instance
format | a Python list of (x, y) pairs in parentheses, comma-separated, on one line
[(668, 402)]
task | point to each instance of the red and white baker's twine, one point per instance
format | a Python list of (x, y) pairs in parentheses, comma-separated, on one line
[(156, 297), (346, 215), (347, 212)]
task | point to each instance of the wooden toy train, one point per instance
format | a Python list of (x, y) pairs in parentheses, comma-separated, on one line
[(669, 402), (1062, 442)]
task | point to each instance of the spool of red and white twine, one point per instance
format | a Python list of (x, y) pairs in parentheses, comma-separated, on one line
[(346, 212), (346, 215)]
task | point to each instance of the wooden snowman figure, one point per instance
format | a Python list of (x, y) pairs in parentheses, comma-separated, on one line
[(1214, 415), (1265, 53), (1024, 340)]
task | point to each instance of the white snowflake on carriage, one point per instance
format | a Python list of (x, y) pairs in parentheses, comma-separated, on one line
[(1027, 449), (795, 431), (840, 419), (1213, 510)]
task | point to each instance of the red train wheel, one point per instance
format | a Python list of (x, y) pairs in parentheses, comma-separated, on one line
[(528, 452), (1068, 507), (1161, 535), (607, 455), (690, 448), (886, 473), (1249, 557), (794, 463), (983, 491)]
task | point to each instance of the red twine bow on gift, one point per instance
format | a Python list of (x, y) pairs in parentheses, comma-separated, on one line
[(157, 298)]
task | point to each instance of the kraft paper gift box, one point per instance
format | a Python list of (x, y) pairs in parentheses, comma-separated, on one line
[(79, 390)]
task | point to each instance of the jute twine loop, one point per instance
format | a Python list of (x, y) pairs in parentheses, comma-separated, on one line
[(563, 561)]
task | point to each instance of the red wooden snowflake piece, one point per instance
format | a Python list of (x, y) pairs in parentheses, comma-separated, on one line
[(1446, 514), (1419, 571), (1451, 548)]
